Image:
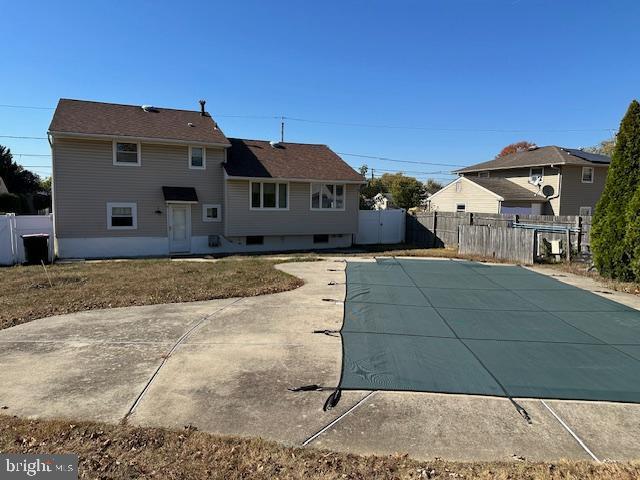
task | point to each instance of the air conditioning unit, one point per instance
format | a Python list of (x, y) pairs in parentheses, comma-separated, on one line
[(214, 240)]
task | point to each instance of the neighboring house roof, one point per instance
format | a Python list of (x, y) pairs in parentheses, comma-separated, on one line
[(3, 187), (261, 159), (508, 190), (541, 156), (87, 118)]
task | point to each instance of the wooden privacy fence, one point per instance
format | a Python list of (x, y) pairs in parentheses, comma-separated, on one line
[(512, 244), (441, 229)]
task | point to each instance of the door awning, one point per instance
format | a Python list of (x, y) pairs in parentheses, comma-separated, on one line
[(180, 194)]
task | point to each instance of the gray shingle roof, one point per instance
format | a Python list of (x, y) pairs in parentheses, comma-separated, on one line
[(541, 156), (110, 119), (506, 189)]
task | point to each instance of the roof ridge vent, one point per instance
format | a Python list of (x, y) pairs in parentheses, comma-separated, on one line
[(532, 147), (275, 144), (149, 108)]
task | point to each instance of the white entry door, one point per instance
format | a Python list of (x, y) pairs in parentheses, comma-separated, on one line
[(179, 218)]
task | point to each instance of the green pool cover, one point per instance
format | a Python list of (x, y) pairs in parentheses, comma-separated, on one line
[(463, 327)]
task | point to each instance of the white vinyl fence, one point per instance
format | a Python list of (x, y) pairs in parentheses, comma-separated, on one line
[(380, 227), (11, 229)]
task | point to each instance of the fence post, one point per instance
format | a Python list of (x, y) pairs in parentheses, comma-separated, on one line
[(568, 252), (470, 218), (579, 234)]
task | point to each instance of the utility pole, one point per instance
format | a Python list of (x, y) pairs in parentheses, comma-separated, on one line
[(282, 128), (372, 174)]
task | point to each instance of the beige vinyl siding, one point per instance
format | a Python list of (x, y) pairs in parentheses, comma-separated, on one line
[(299, 219), (576, 194), (85, 179), (520, 176), (475, 198)]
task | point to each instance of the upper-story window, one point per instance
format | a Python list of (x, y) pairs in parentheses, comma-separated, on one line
[(197, 158), (536, 174), (587, 174), (483, 174), (327, 196), (269, 196), (126, 153)]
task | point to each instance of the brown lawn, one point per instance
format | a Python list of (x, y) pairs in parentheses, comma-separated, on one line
[(123, 452), (25, 292)]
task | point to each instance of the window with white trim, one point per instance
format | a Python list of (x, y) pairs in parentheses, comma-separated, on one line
[(197, 158), (269, 196), (536, 174), (585, 211), (587, 174), (122, 216), (126, 153), (211, 213), (461, 207), (327, 196)]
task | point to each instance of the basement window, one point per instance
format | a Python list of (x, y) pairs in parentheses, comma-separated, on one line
[(585, 211), (255, 240), (122, 216), (321, 239)]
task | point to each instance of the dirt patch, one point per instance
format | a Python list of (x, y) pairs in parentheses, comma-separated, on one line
[(27, 295), (584, 270), (124, 452)]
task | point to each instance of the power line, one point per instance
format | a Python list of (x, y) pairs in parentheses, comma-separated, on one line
[(22, 137), (386, 159), (26, 106), (32, 154)]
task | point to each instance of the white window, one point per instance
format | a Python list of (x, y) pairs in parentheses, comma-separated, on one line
[(122, 216), (536, 174), (269, 196), (197, 158), (585, 211), (483, 174), (460, 207), (459, 186), (327, 196), (587, 174), (126, 153), (211, 213)]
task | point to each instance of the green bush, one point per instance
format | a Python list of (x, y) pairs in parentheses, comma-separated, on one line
[(632, 237), (611, 253)]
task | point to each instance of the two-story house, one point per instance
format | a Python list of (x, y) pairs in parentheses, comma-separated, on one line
[(539, 181), (143, 181)]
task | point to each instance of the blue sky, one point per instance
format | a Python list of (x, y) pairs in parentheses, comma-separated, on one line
[(467, 76)]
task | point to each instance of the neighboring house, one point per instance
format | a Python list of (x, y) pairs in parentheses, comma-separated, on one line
[(3, 187), (143, 181), (542, 180), (383, 201)]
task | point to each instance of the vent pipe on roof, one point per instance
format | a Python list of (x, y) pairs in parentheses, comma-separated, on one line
[(202, 112)]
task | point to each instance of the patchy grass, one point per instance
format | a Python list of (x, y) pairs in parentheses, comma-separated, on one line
[(583, 270), (123, 452), (27, 295)]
